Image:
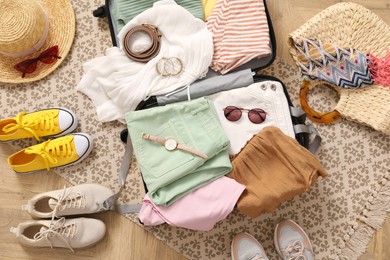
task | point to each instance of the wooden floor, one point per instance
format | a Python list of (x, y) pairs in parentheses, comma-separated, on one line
[(124, 239)]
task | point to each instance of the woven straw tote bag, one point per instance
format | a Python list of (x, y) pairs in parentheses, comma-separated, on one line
[(352, 25)]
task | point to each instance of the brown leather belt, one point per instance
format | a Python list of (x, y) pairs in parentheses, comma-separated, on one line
[(152, 51)]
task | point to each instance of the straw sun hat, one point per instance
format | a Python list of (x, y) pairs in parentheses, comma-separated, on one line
[(28, 28)]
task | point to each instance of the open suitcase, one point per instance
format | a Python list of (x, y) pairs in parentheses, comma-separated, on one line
[(302, 131), (305, 134)]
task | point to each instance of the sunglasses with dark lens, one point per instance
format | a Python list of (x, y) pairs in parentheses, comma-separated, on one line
[(29, 66), (255, 115)]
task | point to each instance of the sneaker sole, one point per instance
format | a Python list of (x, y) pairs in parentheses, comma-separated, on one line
[(231, 250), (277, 244), (89, 150), (69, 130)]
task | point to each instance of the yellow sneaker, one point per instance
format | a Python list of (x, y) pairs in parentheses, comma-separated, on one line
[(51, 122), (59, 152)]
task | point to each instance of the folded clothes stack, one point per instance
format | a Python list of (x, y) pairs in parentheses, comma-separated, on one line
[(182, 149)]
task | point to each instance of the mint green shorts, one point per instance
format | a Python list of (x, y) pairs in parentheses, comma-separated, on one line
[(169, 175)]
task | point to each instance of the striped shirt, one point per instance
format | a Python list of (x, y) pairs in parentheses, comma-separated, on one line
[(240, 33)]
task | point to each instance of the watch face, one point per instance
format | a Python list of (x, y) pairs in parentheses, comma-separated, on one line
[(170, 144)]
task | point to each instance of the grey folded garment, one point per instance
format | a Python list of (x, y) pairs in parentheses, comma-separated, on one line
[(213, 83), (125, 10)]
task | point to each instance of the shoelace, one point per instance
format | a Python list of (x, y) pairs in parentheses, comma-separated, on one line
[(58, 229), (69, 200), (258, 257), (49, 155), (295, 251), (45, 122)]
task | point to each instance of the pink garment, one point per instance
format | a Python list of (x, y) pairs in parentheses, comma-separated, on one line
[(198, 210), (240, 33)]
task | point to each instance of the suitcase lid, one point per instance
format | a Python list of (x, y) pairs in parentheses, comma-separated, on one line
[(255, 64)]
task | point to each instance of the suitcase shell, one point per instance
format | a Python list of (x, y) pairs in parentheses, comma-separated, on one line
[(255, 65)]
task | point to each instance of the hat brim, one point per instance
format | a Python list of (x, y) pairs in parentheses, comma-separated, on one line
[(346, 25), (62, 27)]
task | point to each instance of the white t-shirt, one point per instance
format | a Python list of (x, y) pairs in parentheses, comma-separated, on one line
[(267, 95)]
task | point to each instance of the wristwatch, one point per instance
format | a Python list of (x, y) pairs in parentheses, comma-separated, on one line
[(171, 144)]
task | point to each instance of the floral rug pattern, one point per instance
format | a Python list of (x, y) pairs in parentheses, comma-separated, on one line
[(356, 158)]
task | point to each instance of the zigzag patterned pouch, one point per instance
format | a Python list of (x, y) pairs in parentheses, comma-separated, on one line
[(344, 67)]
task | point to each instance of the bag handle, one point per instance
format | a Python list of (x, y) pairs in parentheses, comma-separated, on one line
[(313, 115), (110, 203)]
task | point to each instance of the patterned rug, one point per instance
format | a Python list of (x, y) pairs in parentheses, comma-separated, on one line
[(339, 213)]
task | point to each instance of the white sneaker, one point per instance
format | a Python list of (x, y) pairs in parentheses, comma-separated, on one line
[(246, 247), (67, 233), (292, 242), (76, 200)]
